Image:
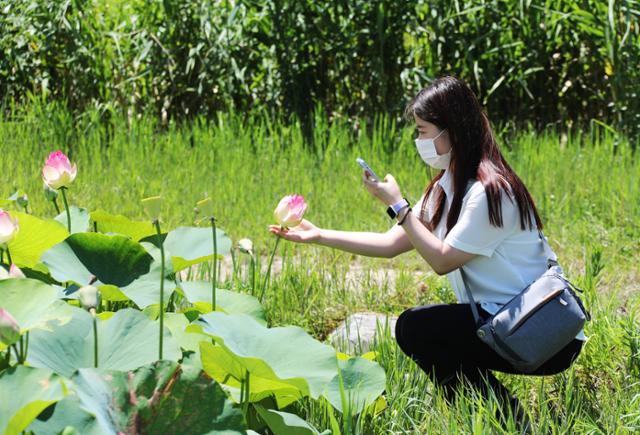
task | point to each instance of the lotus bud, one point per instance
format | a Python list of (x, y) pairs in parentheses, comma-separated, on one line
[(290, 211), (89, 297), (15, 272), (205, 206), (8, 227), (9, 329), (49, 193), (58, 171), (245, 246), (152, 206)]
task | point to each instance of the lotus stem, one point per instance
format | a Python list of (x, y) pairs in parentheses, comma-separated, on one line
[(55, 204), (266, 278), (215, 264), (15, 350), (253, 275), (26, 345), (8, 256), (247, 392), (156, 222), (66, 207), (233, 262), (95, 337)]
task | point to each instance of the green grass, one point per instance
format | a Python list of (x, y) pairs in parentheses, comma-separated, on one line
[(587, 191)]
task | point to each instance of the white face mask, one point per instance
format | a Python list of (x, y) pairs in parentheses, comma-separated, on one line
[(428, 153)]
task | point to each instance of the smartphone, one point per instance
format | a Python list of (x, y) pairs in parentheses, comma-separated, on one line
[(366, 167)]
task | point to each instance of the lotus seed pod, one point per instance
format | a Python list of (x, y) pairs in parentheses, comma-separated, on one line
[(205, 206), (152, 206), (89, 297), (246, 246), (9, 329)]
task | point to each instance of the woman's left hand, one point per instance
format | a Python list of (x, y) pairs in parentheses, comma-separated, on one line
[(387, 191)]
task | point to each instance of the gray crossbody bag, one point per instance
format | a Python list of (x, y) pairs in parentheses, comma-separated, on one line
[(538, 322)]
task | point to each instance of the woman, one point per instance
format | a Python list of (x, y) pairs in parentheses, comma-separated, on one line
[(476, 214)]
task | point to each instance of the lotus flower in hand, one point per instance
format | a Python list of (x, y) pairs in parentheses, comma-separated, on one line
[(290, 211)]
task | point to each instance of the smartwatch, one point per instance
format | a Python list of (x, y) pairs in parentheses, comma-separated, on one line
[(394, 209)]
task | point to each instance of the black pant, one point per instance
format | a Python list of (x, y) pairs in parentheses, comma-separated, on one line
[(442, 341)]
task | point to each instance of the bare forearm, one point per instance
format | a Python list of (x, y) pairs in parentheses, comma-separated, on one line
[(361, 243), (441, 257)]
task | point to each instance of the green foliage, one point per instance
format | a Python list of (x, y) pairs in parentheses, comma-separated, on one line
[(79, 219), (230, 302), (41, 309), (562, 62), (113, 259), (126, 341), (162, 397), (34, 238), (24, 393), (284, 362)]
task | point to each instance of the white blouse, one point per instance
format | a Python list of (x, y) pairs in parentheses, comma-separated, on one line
[(508, 258)]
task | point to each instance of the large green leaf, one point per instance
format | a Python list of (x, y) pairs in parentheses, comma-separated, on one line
[(113, 260), (284, 423), (185, 333), (283, 361), (145, 290), (192, 245), (363, 382), (33, 304), (126, 341), (109, 223), (79, 219), (161, 398), (24, 393), (230, 302), (35, 237), (68, 412)]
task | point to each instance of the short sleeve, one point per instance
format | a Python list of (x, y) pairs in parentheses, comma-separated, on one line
[(473, 233), (417, 207)]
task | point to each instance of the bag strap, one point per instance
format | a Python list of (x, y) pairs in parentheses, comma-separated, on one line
[(552, 260), (472, 302)]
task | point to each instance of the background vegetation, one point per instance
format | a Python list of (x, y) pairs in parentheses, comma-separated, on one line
[(565, 63)]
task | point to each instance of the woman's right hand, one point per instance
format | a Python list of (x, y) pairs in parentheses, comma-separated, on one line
[(306, 232)]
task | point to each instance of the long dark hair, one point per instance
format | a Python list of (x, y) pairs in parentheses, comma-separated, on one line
[(449, 103)]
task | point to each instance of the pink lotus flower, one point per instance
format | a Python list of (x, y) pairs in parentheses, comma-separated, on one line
[(58, 171), (9, 329), (290, 211), (8, 227)]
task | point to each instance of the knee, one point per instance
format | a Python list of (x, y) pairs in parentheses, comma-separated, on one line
[(402, 328), (410, 330)]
